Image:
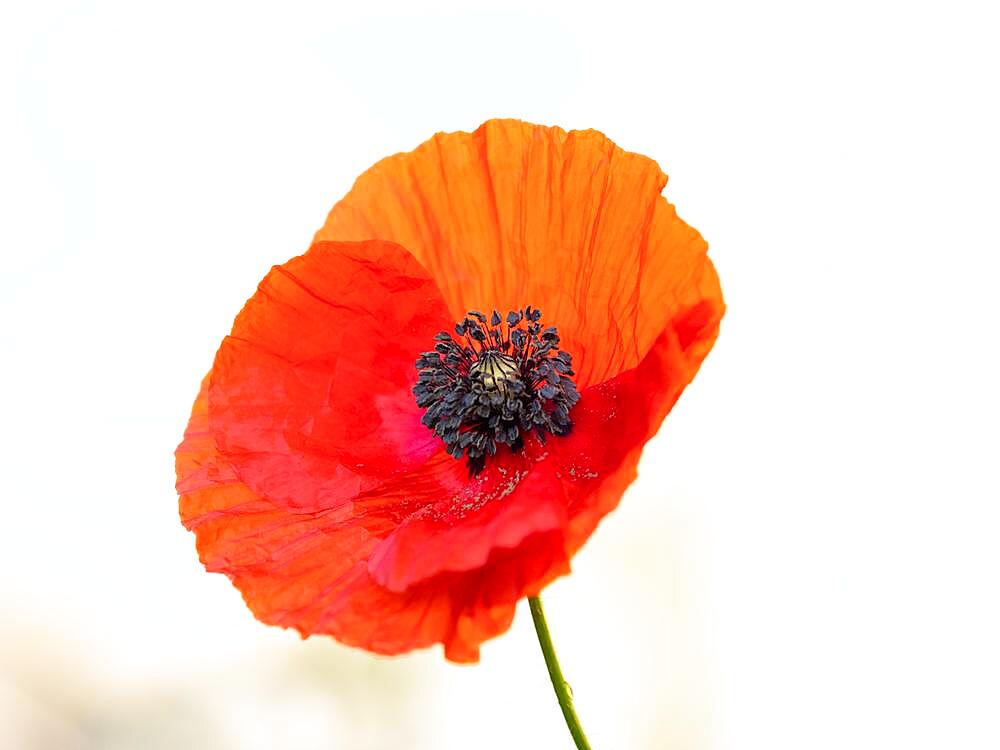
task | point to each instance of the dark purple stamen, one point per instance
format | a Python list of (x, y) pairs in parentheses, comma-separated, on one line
[(495, 383)]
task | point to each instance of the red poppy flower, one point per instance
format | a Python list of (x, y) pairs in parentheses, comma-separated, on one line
[(308, 472)]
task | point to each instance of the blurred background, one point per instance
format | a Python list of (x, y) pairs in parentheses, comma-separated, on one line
[(809, 558)]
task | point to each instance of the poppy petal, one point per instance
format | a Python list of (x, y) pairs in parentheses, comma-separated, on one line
[(310, 395), (515, 214)]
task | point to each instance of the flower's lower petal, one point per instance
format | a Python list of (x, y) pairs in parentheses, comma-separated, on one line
[(565, 221), (459, 610), (310, 397), (613, 421)]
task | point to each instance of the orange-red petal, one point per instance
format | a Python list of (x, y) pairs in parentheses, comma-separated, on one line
[(515, 214)]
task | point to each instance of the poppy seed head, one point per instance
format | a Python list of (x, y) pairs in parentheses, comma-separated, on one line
[(498, 372)]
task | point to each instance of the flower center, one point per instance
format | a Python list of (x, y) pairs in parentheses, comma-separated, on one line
[(494, 382)]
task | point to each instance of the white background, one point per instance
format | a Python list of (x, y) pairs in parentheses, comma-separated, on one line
[(810, 556)]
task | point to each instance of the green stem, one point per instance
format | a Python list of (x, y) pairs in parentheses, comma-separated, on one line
[(559, 684)]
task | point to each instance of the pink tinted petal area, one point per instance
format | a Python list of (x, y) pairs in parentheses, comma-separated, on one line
[(310, 395)]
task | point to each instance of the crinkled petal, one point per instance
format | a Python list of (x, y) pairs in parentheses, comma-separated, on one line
[(516, 214), (310, 395)]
